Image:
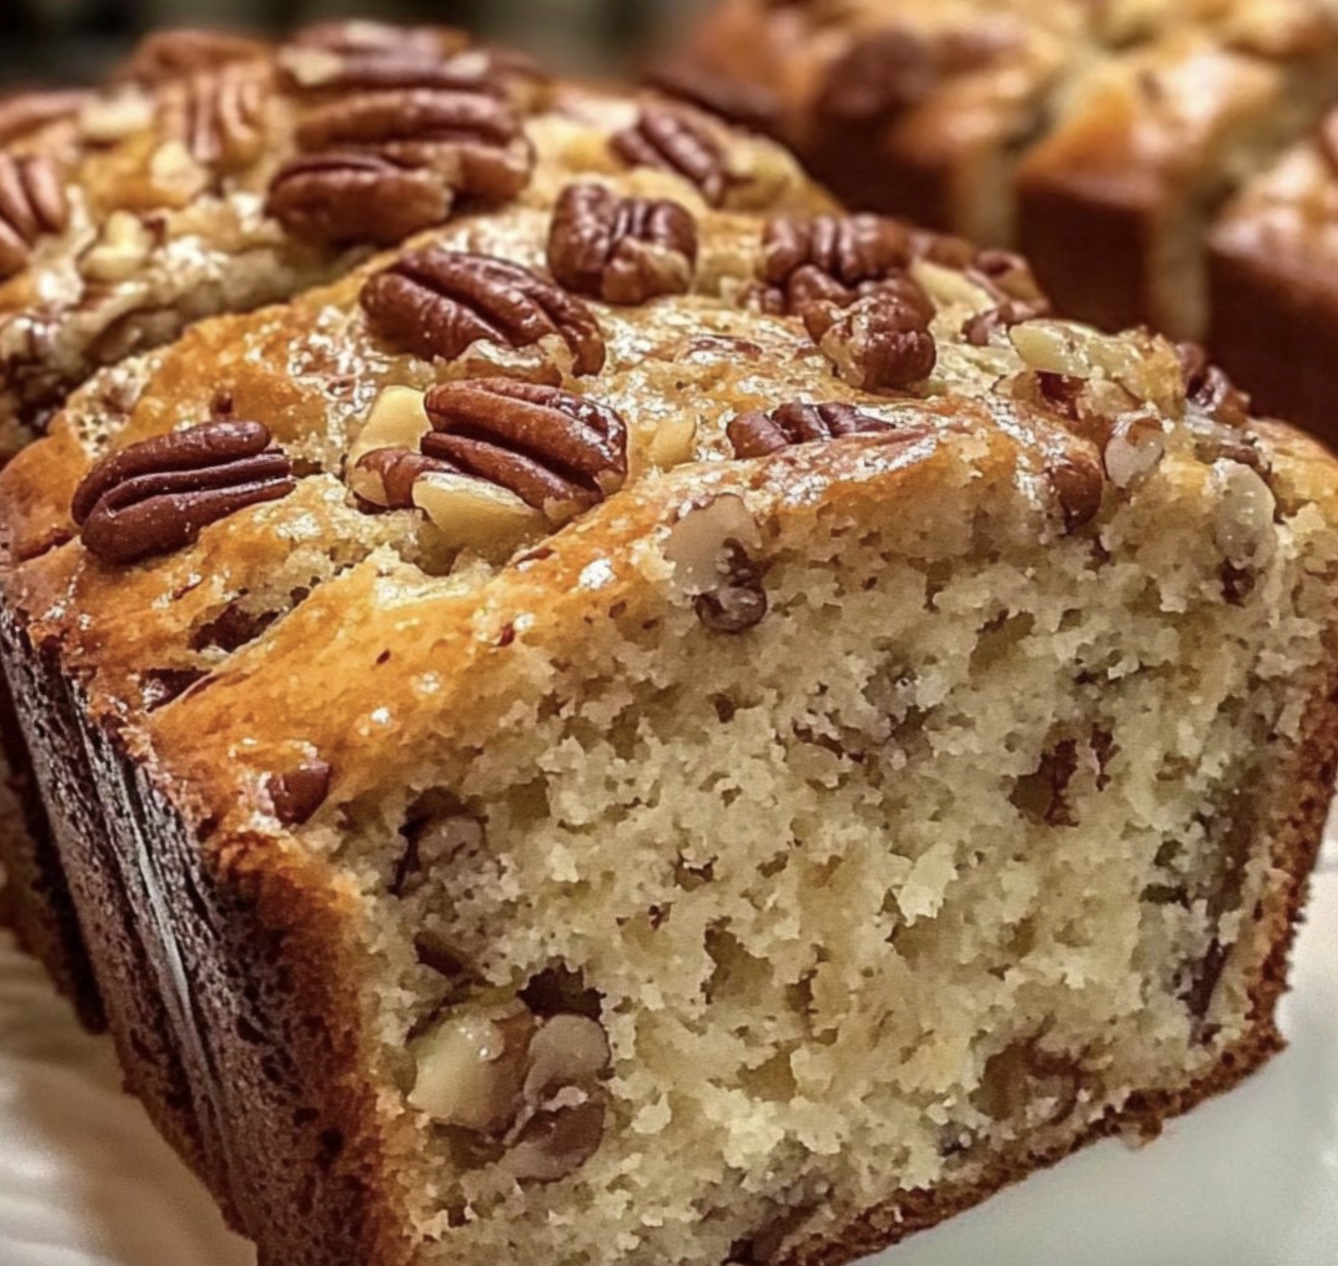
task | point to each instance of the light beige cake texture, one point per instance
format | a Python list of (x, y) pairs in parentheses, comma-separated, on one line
[(735, 774)]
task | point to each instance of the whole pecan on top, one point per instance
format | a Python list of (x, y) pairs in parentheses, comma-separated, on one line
[(881, 342), (344, 35), (154, 497), (436, 303), (169, 55), (345, 196), (218, 115), (675, 141), (559, 452), (32, 205), (758, 434), (830, 256), (743, 104), (621, 250), (463, 142), (24, 112)]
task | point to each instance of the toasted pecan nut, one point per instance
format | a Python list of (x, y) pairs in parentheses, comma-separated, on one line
[(880, 343), (496, 72), (739, 602), (218, 116), (621, 250), (436, 303), (32, 205), (344, 196), (759, 434), (850, 249), (169, 55), (878, 76), (154, 497), (386, 476), (357, 35), (979, 330), (558, 452), (297, 794), (1078, 484), (743, 104), (1208, 387), (25, 112), (675, 141)]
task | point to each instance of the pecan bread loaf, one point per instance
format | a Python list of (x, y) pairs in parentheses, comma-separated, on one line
[(640, 732), (218, 173), (1107, 133)]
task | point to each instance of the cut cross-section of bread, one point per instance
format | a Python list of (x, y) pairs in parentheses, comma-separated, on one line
[(733, 775)]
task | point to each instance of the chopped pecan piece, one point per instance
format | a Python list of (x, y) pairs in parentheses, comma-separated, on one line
[(25, 112), (297, 794), (170, 55), (32, 205), (346, 196), (435, 303), (558, 452), (154, 497), (675, 141), (621, 250), (218, 116), (1208, 387), (739, 602), (1078, 484), (759, 434), (394, 471), (980, 329), (881, 342)]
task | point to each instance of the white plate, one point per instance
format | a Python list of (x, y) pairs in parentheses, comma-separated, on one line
[(1248, 1180)]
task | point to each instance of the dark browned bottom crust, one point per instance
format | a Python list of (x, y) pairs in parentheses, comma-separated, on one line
[(1274, 329), (225, 974), (914, 1211)]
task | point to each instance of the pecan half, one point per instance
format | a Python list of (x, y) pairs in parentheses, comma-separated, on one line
[(674, 141), (321, 72), (25, 112), (558, 452), (218, 116), (346, 196), (32, 205), (436, 303), (621, 250), (747, 105), (848, 249), (759, 434), (880, 343), (474, 141), (154, 497), (169, 55), (342, 35)]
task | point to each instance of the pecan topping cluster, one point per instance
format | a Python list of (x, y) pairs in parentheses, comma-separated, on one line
[(846, 277), (218, 115), (678, 142), (436, 303), (32, 205), (558, 452), (759, 434), (154, 497), (382, 164), (621, 250)]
